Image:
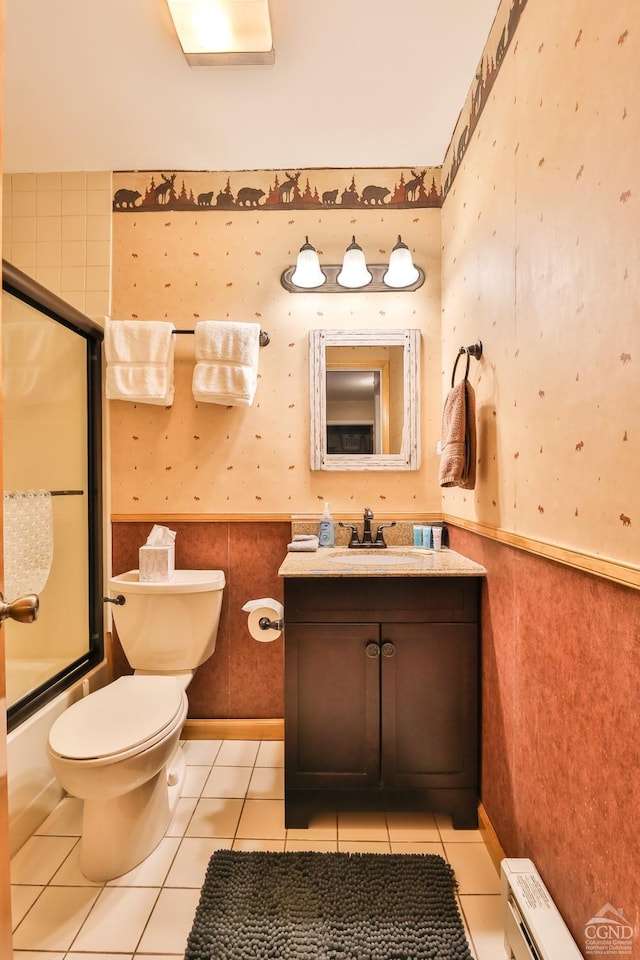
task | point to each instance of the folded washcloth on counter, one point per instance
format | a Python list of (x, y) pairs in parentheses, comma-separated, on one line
[(139, 355), (303, 543)]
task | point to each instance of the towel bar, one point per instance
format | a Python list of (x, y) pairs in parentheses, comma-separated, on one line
[(265, 339)]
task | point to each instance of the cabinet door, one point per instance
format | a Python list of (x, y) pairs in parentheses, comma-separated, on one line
[(332, 705), (429, 705)]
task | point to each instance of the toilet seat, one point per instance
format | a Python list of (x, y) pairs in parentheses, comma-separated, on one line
[(125, 717)]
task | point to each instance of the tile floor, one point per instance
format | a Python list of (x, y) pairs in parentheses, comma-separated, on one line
[(232, 798)]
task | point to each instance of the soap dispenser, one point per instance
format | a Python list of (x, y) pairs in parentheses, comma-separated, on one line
[(326, 534)]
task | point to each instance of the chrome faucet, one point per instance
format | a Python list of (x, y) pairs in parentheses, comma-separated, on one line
[(367, 541)]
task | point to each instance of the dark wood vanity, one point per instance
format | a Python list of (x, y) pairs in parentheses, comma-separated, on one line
[(381, 692)]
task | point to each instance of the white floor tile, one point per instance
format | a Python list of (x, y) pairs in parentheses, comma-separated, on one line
[(55, 918), (233, 800), (39, 858), (152, 871), (363, 846), (238, 753), (117, 920), (270, 754), (473, 868), (70, 874), (194, 780), (65, 820), (191, 861), (170, 922), (362, 826), (267, 783), (317, 846), (103, 956), (419, 846), (46, 955), (262, 820), (147, 956), (201, 752), (404, 827), (182, 816), (227, 782), (215, 818), (266, 846), (483, 917), (22, 899)]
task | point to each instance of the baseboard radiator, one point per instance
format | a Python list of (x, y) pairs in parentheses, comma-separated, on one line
[(533, 927)]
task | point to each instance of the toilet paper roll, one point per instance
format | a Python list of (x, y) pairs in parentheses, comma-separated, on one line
[(265, 607)]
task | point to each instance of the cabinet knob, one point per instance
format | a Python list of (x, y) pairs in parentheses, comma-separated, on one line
[(388, 650), (372, 650)]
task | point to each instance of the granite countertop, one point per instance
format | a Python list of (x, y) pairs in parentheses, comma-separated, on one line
[(404, 561)]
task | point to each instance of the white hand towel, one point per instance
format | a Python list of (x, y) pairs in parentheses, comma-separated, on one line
[(139, 356), (226, 369)]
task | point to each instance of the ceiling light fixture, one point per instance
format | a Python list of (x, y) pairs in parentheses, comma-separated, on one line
[(354, 274), (223, 32)]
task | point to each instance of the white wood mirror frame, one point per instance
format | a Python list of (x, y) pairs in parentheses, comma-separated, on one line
[(408, 457)]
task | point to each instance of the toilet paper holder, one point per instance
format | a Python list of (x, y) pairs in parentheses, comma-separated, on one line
[(265, 624)]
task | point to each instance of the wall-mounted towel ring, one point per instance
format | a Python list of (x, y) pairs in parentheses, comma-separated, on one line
[(475, 350)]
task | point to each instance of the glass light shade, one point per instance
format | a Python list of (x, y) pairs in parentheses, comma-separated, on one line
[(401, 271), (217, 27), (307, 273), (354, 271)]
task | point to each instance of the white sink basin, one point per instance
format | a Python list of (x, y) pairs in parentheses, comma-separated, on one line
[(377, 558)]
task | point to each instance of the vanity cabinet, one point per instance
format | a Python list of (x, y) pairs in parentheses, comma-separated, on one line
[(381, 695)]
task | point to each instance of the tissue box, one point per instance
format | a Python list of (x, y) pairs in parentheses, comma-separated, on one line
[(156, 563)]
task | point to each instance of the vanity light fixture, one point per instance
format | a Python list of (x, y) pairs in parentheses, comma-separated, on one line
[(307, 273), (223, 32), (354, 274), (401, 272)]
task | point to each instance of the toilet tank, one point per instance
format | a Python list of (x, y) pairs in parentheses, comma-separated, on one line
[(168, 626)]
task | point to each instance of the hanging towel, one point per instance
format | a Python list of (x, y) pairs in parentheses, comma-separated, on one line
[(28, 542), (226, 369), (458, 446), (139, 357)]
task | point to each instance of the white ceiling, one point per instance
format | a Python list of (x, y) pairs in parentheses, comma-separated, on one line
[(103, 85)]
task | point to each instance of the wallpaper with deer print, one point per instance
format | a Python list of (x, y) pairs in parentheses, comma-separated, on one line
[(541, 261), (191, 246)]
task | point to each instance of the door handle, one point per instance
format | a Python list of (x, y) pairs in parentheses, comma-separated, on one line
[(372, 650), (24, 609), (388, 649)]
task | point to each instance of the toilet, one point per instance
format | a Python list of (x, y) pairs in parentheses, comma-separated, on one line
[(118, 749)]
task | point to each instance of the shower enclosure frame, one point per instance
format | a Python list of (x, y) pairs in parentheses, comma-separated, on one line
[(29, 291)]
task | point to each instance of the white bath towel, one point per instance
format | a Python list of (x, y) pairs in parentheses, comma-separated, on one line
[(28, 542), (226, 369), (139, 357)]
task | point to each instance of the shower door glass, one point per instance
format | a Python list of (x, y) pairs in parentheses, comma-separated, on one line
[(49, 502)]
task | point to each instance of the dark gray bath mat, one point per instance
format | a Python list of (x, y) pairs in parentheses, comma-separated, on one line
[(327, 906)]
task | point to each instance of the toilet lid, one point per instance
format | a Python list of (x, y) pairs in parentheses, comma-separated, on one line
[(118, 717)]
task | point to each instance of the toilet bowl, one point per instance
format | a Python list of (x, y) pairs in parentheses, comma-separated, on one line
[(118, 749)]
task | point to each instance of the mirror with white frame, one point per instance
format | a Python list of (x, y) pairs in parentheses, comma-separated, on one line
[(365, 399)]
